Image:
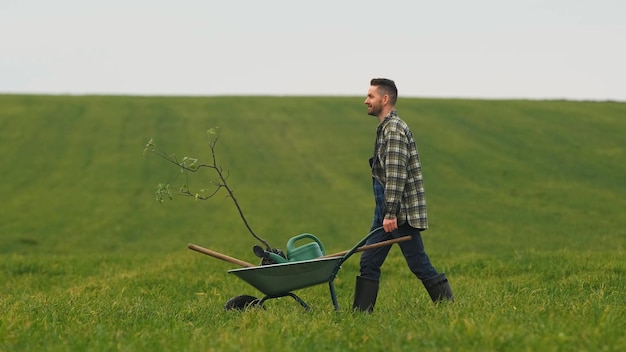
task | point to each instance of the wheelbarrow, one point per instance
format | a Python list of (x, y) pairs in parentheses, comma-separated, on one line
[(279, 280)]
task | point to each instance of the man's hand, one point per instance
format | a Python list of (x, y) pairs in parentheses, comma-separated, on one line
[(390, 224)]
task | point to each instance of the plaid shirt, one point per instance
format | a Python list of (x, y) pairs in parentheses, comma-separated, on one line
[(396, 165)]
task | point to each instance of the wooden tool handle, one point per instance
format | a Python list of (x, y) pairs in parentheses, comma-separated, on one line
[(219, 255), (370, 246)]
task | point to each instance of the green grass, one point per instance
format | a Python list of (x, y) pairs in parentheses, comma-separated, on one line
[(526, 207)]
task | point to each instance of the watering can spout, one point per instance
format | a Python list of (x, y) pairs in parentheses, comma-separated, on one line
[(277, 258), (271, 255)]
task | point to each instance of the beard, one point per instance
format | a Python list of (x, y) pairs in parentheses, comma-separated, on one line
[(374, 110)]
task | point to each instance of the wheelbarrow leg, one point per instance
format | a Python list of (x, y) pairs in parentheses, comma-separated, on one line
[(333, 295), (290, 294), (299, 300)]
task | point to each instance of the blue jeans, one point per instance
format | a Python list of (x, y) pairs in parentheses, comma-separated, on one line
[(413, 250)]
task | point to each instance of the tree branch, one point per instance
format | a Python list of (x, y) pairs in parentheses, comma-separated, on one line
[(188, 165)]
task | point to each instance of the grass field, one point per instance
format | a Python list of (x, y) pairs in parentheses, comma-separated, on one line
[(526, 206)]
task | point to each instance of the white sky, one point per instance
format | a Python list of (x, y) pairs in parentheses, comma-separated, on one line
[(536, 49)]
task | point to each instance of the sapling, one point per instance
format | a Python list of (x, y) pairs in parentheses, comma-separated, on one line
[(189, 165)]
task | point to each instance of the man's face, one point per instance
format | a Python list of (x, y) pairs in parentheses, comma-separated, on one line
[(374, 101)]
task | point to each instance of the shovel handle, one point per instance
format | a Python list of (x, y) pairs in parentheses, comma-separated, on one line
[(221, 256), (371, 246)]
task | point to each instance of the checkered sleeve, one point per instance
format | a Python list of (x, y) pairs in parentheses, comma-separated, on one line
[(397, 151)]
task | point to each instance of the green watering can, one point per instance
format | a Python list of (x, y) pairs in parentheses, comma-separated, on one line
[(307, 251)]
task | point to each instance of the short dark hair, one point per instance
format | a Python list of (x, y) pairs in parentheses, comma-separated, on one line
[(388, 87)]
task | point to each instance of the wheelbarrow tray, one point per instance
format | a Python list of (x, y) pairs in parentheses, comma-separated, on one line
[(280, 279)]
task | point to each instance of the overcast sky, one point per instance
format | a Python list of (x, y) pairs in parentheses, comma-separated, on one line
[(538, 49)]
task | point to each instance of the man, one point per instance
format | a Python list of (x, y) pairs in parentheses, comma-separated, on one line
[(400, 201)]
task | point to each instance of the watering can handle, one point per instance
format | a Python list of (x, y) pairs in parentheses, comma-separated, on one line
[(292, 240)]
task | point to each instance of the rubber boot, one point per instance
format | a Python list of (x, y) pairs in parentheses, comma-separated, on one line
[(438, 288), (365, 294)]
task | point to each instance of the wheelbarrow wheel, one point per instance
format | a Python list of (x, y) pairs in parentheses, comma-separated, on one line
[(241, 302)]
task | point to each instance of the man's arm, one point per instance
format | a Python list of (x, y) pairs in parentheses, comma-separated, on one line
[(397, 153)]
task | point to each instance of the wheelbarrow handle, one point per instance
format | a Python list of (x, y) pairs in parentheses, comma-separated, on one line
[(359, 245), (371, 246), (221, 256)]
